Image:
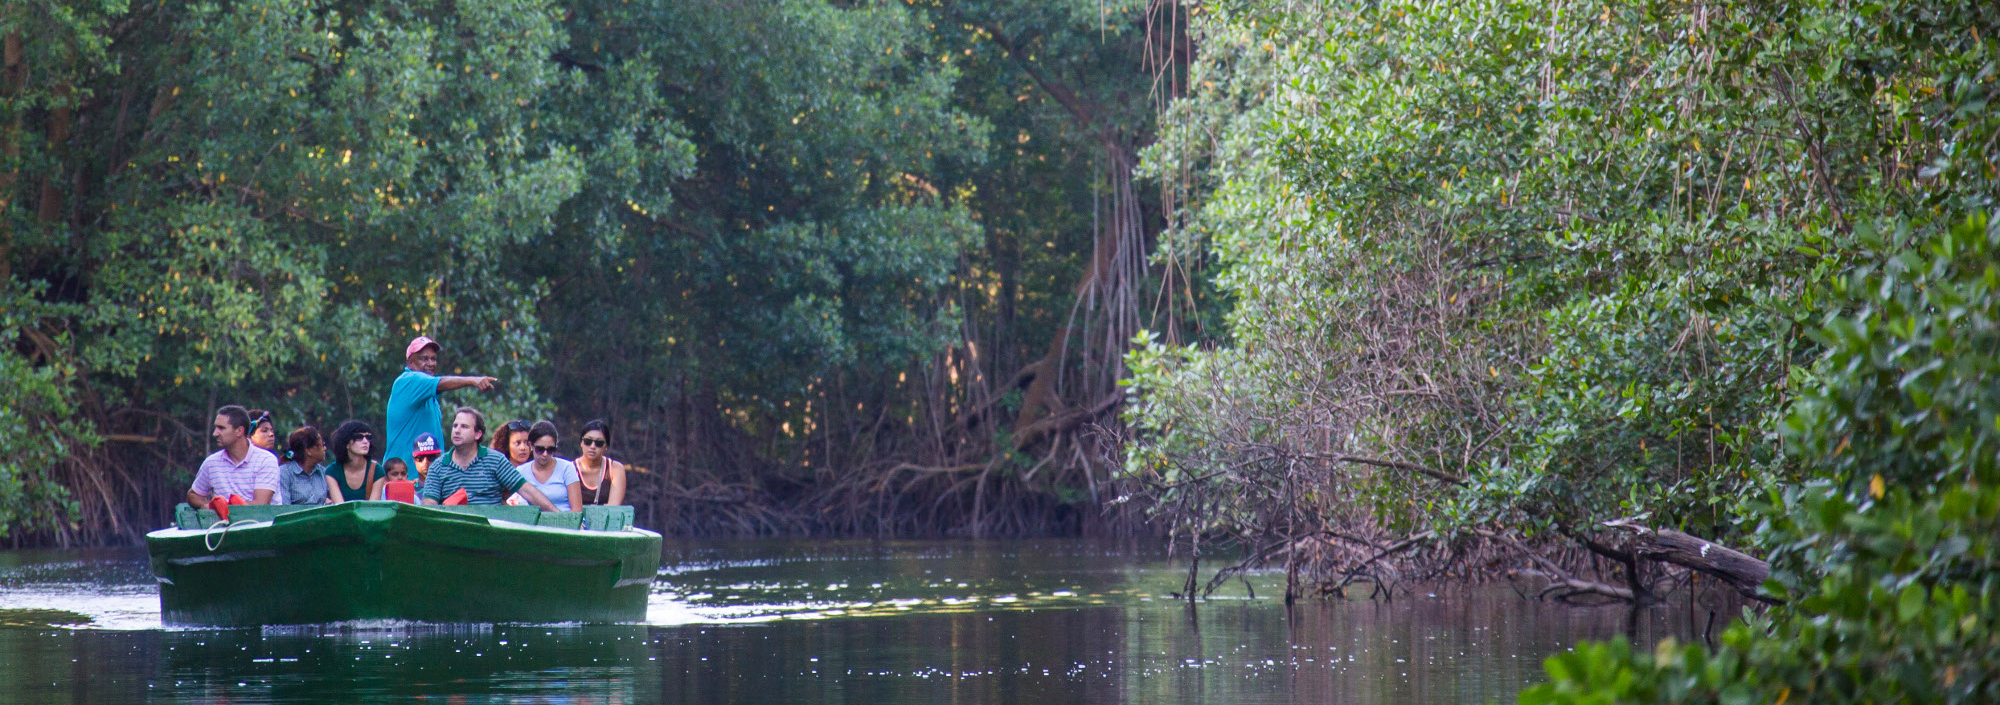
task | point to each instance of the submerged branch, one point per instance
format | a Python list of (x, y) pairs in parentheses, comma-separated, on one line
[(1566, 587)]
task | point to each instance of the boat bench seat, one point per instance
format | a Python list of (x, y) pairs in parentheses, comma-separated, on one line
[(594, 518)]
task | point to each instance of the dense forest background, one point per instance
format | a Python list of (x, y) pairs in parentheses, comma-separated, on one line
[(1621, 301), (1614, 300), (827, 267)]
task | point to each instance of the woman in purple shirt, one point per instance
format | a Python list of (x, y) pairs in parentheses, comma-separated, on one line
[(555, 477)]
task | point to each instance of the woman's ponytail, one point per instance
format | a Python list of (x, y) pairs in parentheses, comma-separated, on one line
[(302, 440)]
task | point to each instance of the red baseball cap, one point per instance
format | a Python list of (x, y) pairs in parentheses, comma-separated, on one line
[(420, 343)]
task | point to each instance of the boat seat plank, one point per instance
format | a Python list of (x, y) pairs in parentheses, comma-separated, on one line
[(560, 520), (601, 518), (519, 515), (263, 512)]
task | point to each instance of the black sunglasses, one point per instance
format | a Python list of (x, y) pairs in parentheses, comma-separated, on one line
[(517, 426), (551, 450), (593, 442)]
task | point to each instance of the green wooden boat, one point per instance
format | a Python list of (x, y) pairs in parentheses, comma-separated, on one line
[(395, 561)]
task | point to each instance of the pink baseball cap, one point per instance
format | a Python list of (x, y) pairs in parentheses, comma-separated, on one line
[(419, 344)]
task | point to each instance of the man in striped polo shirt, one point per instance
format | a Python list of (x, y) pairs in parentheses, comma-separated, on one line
[(239, 468), (486, 476)]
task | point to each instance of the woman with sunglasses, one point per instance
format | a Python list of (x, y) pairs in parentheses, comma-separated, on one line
[(512, 441), (353, 473), (603, 479), (550, 473)]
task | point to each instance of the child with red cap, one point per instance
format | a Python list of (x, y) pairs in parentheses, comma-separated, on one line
[(425, 452)]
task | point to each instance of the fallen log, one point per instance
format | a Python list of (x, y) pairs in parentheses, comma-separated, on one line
[(1740, 570)]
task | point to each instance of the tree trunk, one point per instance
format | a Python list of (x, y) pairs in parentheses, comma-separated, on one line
[(13, 82), (1741, 570), (1109, 287), (61, 118)]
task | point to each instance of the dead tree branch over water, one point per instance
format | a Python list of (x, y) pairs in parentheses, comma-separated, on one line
[(1309, 525)]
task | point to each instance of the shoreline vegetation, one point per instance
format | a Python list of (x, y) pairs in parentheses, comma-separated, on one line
[(1608, 300), (1687, 290)]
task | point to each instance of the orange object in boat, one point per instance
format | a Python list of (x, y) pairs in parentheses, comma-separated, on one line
[(403, 491), (456, 498)]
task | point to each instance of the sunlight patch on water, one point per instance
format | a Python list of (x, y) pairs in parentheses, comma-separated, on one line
[(665, 612), (701, 566), (116, 611), (369, 630), (672, 609)]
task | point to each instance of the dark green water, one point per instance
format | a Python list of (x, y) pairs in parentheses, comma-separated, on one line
[(819, 622)]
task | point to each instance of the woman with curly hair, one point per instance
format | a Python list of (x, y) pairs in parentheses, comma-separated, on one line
[(512, 441)]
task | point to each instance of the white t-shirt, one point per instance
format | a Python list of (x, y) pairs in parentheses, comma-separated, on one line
[(557, 488)]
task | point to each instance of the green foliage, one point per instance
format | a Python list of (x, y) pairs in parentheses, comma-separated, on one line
[(1567, 251), (1217, 429), (258, 203), (1890, 567), (38, 431), (803, 243), (1912, 370), (1886, 556), (1058, 83), (1728, 268), (317, 184), (746, 231), (1904, 610), (604, 204)]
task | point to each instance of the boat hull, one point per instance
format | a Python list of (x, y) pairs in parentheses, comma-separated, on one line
[(393, 561)]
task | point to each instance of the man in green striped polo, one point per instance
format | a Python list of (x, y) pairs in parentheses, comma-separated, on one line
[(486, 476)]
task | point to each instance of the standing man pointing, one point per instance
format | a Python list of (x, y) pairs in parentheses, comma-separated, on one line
[(413, 402)]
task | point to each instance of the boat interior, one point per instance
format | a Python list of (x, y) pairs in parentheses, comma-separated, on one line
[(592, 518)]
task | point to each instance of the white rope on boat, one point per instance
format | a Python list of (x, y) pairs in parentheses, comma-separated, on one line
[(224, 523)]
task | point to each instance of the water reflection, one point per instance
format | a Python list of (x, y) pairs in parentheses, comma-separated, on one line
[(817, 622), (475, 664), (365, 663)]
